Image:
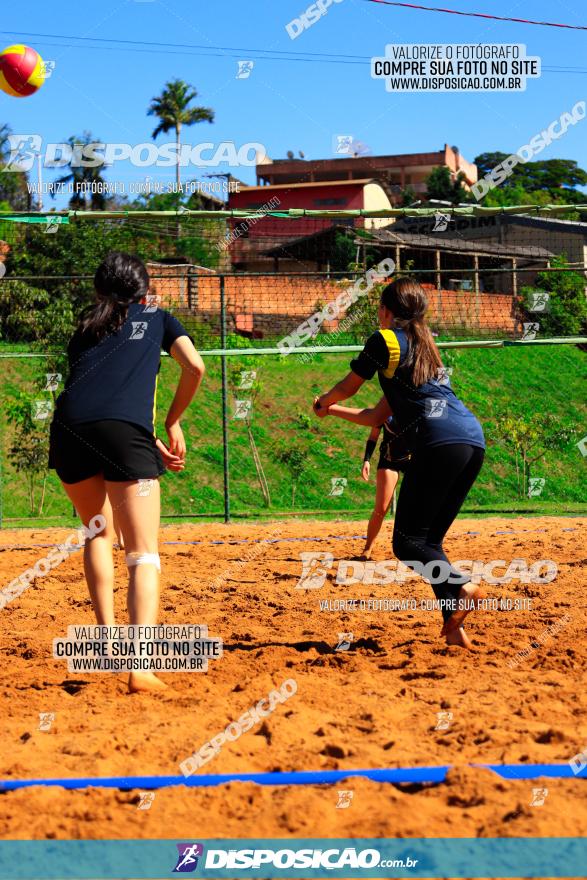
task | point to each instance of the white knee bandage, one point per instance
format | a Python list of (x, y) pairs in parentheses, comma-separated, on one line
[(143, 559)]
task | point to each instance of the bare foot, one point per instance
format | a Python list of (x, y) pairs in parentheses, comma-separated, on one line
[(140, 682), (468, 600), (458, 636), (366, 554)]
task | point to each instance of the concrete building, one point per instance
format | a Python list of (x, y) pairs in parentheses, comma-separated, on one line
[(393, 172)]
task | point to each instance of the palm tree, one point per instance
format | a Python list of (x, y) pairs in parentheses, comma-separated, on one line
[(172, 108), (14, 191), (86, 180)]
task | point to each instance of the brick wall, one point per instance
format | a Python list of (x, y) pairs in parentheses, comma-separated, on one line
[(276, 304), (487, 311)]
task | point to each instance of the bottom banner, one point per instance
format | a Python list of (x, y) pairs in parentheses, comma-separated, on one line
[(303, 858)]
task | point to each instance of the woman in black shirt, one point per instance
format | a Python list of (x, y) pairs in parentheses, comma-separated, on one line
[(102, 443)]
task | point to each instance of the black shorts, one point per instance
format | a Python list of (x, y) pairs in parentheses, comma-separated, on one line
[(392, 464), (389, 460), (118, 450)]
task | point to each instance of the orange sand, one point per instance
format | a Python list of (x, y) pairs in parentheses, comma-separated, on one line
[(373, 706)]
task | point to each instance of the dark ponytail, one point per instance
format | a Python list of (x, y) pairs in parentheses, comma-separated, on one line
[(120, 280), (408, 303)]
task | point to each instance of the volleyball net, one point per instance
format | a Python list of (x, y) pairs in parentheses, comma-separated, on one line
[(278, 302), (488, 273)]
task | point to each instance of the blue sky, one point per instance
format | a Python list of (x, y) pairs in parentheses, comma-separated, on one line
[(288, 104)]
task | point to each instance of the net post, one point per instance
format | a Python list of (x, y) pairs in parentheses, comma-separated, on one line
[(225, 450)]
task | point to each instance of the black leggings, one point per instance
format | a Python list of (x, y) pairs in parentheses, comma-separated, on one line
[(436, 483)]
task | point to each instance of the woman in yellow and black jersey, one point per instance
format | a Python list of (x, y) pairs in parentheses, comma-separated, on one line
[(444, 437)]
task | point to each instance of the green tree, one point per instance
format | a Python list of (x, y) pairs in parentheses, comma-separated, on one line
[(567, 306), (530, 438), (550, 181), (172, 107), (246, 385), (30, 445), (408, 197), (503, 196), (441, 185), (76, 249), (198, 238), (295, 459), (343, 253), (13, 182), (486, 162), (87, 181)]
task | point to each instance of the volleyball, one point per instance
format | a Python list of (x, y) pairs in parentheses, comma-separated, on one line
[(22, 71)]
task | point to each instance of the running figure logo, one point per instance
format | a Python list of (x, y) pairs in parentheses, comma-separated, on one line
[(138, 329), (345, 799), (530, 331), (245, 68), (444, 719), (42, 409), (315, 568), (46, 719), (146, 800), (435, 408), (48, 68), (52, 225), (538, 301), (539, 795), (23, 149), (344, 143), (187, 861), (443, 375), (53, 380), (441, 222), (337, 485), (247, 379), (344, 641), (242, 409), (535, 487)]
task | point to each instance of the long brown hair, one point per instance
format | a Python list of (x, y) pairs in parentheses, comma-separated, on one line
[(120, 279), (408, 302)]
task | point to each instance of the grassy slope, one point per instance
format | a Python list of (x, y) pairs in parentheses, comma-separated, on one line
[(523, 381)]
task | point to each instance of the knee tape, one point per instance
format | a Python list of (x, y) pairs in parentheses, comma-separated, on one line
[(133, 559)]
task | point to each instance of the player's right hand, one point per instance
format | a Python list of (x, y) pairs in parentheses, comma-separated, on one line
[(176, 439), (366, 470), (319, 410), (172, 462)]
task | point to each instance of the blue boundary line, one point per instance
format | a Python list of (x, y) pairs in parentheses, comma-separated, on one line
[(423, 775)]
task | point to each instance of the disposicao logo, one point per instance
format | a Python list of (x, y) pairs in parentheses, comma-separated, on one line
[(187, 860)]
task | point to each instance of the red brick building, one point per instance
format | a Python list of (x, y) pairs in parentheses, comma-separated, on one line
[(252, 238)]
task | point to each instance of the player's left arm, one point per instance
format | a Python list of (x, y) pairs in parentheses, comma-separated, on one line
[(373, 357), (370, 416), (344, 389)]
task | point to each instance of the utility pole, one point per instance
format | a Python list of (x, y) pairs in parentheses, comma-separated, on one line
[(39, 182)]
